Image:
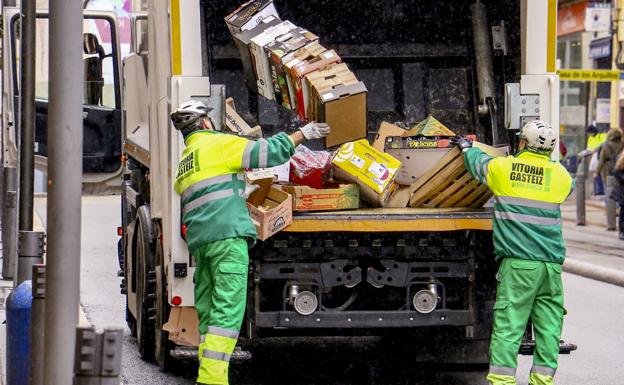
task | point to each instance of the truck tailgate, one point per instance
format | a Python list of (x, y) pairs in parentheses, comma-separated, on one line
[(393, 220)]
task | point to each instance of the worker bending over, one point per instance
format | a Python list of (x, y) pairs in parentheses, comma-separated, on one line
[(211, 185), (528, 243)]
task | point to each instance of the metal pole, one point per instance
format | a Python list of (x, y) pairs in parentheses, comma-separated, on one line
[(37, 324), (27, 114), (98, 356), (611, 204), (27, 134), (9, 224), (64, 190), (580, 190)]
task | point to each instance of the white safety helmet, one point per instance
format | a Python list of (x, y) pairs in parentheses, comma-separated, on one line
[(187, 117), (539, 136)]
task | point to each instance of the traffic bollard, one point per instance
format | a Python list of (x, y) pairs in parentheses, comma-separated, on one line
[(580, 191), (37, 324), (611, 204), (97, 360), (18, 313)]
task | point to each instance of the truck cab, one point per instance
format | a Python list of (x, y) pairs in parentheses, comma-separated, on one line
[(422, 275)]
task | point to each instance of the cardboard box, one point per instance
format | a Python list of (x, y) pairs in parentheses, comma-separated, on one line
[(344, 109), (374, 171), (183, 326), (343, 197), (293, 58), (261, 60), (324, 80), (429, 127), (279, 173), (385, 130), (400, 198), (281, 47), (299, 67), (273, 214), (235, 123), (242, 41), (250, 14)]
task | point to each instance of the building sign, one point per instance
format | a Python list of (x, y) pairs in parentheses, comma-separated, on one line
[(600, 48), (598, 19), (591, 75), (571, 18)]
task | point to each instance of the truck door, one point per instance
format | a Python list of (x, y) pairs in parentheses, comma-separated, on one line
[(102, 88)]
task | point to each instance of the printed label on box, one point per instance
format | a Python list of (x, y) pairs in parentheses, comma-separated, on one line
[(379, 170), (328, 55), (357, 161), (328, 96)]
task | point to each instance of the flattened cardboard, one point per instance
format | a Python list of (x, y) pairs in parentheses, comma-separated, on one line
[(250, 14), (344, 108), (183, 326), (261, 60), (430, 127), (273, 214), (235, 123), (343, 197), (277, 50), (385, 130), (242, 41), (374, 171)]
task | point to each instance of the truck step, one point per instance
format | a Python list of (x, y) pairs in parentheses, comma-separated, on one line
[(190, 353)]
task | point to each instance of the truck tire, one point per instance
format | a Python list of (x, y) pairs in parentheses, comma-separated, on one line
[(162, 344), (146, 284)]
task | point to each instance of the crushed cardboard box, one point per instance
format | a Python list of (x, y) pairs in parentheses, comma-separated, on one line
[(272, 214), (235, 123), (342, 197), (250, 14), (374, 171), (385, 130)]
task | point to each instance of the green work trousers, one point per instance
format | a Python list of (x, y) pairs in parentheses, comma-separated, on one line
[(526, 290), (220, 298)]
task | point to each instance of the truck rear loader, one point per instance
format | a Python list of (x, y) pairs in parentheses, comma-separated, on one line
[(422, 276)]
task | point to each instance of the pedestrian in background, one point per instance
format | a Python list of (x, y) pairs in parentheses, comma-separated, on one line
[(618, 191), (595, 139), (608, 153)]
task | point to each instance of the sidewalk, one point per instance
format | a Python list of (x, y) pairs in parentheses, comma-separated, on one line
[(592, 243)]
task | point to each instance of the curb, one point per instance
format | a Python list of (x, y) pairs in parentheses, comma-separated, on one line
[(588, 270)]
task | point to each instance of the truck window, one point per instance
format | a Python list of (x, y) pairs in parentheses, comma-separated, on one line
[(99, 78), (416, 58)]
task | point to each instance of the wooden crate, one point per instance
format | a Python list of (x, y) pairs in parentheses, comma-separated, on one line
[(448, 184)]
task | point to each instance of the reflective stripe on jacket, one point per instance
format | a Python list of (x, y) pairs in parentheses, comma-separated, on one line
[(528, 190), (211, 184)]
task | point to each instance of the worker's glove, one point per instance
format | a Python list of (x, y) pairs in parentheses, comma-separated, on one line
[(462, 143), (249, 189), (314, 130)]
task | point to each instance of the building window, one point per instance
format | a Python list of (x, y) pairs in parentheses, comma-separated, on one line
[(569, 52)]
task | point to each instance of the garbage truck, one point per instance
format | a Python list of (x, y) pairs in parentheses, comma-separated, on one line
[(422, 275)]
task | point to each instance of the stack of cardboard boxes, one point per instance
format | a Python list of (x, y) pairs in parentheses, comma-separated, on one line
[(286, 63), (416, 167)]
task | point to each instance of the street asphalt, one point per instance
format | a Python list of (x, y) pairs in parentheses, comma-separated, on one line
[(594, 323)]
